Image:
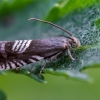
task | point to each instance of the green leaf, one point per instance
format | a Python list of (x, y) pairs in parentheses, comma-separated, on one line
[(81, 23), (2, 96), (66, 6), (97, 22), (10, 6)]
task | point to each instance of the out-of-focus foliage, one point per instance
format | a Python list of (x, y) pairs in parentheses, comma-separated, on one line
[(2, 96), (9, 6), (66, 6)]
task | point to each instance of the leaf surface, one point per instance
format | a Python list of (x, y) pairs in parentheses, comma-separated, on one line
[(83, 24)]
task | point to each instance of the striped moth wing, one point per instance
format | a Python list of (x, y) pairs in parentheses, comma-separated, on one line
[(19, 53), (13, 54)]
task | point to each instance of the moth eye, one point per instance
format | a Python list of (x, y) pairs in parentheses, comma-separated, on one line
[(73, 45)]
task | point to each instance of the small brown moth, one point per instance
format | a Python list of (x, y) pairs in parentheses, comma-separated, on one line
[(19, 53)]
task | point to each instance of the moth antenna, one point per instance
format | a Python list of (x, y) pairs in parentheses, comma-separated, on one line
[(51, 24)]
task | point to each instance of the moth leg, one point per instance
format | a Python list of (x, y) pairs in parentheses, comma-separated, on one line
[(43, 68), (57, 55), (70, 55), (50, 59)]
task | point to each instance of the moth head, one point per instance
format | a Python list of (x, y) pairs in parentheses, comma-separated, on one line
[(75, 42)]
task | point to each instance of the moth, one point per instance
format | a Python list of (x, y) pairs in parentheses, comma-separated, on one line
[(19, 53)]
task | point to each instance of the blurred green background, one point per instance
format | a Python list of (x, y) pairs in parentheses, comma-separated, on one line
[(19, 87), (14, 25)]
